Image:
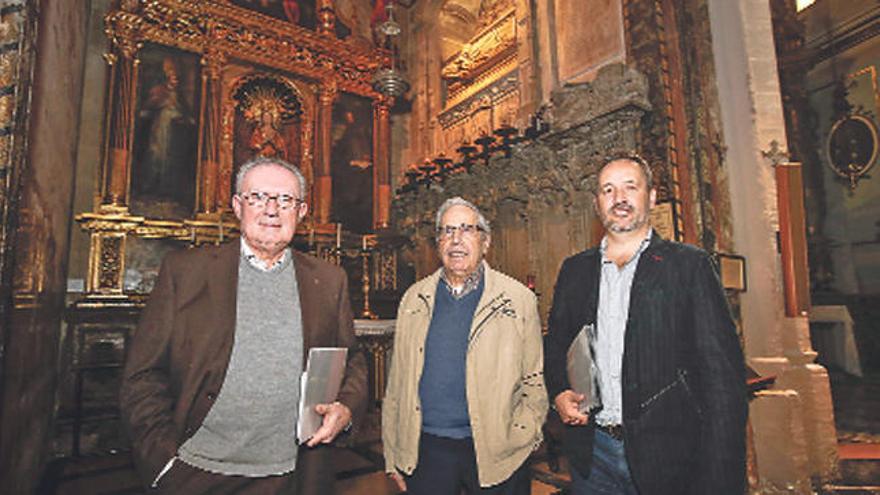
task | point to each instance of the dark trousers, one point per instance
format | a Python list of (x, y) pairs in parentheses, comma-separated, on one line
[(185, 479), (448, 465)]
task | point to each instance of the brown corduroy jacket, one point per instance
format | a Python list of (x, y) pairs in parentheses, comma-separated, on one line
[(179, 355)]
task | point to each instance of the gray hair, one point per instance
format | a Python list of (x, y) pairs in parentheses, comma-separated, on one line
[(629, 156), (482, 223), (262, 161)]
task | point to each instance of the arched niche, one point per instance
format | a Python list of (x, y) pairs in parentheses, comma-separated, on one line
[(456, 25)]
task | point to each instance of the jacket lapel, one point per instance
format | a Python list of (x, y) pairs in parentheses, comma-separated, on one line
[(648, 271), (307, 286), (648, 268), (222, 286), (592, 273)]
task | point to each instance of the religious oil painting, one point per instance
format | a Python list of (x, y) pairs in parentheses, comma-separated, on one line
[(164, 164), (299, 12), (268, 120), (351, 163)]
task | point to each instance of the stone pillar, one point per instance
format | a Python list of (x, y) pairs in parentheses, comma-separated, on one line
[(323, 178), (119, 125), (526, 54), (776, 344), (210, 115), (381, 163)]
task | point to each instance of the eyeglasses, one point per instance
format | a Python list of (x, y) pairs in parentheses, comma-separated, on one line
[(466, 230), (259, 199)]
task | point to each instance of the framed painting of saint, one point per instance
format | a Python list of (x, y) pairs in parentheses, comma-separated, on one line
[(299, 12), (351, 163), (163, 170)]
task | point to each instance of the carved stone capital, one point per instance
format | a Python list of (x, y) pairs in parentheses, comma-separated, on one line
[(616, 86)]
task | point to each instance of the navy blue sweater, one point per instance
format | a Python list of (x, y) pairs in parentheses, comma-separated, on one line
[(442, 387)]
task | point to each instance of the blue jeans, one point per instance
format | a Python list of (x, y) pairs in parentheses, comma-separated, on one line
[(609, 472)]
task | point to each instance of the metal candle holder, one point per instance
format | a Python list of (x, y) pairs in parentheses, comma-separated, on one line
[(365, 253)]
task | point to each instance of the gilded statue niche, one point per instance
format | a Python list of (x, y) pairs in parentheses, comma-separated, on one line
[(266, 115), (457, 23), (487, 55)]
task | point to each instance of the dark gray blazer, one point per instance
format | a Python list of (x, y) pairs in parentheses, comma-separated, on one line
[(684, 392)]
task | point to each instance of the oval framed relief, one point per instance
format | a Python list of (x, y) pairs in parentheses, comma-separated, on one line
[(852, 147)]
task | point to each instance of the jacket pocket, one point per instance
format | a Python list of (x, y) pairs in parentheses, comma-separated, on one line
[(679, 384)]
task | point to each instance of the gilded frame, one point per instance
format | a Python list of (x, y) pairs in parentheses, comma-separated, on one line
[(231, 43)]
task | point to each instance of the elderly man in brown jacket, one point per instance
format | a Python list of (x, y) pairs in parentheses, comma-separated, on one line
[(211, 383)]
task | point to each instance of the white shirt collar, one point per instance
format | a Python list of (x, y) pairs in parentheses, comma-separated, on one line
[(254, 260)]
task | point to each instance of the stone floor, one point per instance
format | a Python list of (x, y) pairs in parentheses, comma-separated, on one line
[(857, 414)]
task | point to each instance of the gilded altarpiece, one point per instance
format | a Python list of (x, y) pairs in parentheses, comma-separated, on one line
[(196, 88)]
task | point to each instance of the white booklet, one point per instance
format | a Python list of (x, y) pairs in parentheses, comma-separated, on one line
[(583, 374), (319, 384)]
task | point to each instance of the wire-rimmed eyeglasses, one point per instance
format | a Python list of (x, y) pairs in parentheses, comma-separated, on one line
[(260, 199)]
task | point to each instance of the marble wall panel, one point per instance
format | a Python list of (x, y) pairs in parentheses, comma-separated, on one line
[(589, 34)]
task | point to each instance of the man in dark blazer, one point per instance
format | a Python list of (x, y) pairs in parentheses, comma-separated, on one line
[(211, 380), (670, 367)]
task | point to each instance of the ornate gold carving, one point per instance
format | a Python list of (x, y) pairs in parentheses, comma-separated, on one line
[(123, 30), (492, 10), (385, 270), (492, 50), (110, 263), (213, 62), (328, 93), (5, 154), (327, 18), (207, 229), (479, 97), (7, 106), (8, 68), (197, 25)]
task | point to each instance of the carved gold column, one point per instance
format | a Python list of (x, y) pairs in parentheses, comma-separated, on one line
[(122, 98), (381, 162), (210, 115), (323, 179), (326, 17)]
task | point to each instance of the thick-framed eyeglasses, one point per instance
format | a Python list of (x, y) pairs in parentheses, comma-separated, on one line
[(259, 199), (465, 229)]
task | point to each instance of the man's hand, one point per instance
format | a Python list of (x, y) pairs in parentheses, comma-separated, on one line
[(398, 479), (337, 417), (567, 406)]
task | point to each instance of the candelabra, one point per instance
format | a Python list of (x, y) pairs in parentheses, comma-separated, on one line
[(485, 141), (442, 167), (506, 133), (501, 139), (467, 150), (365, 253)]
